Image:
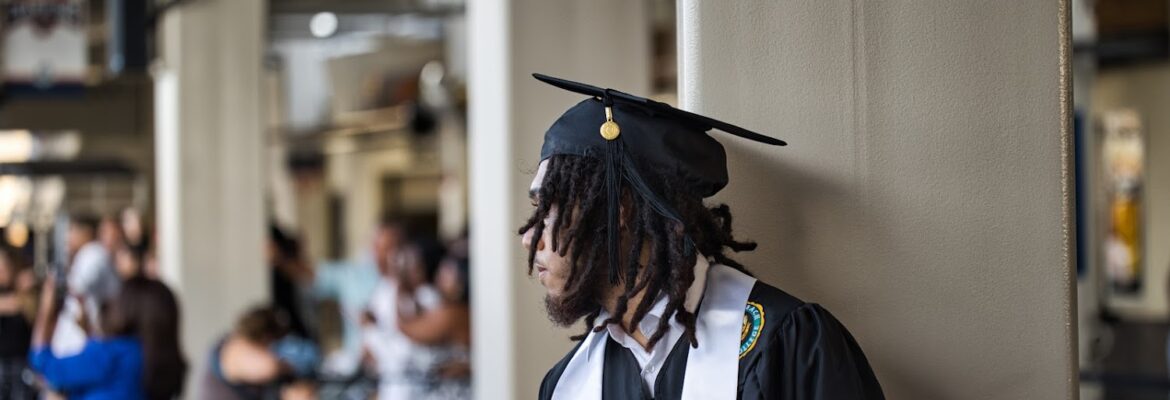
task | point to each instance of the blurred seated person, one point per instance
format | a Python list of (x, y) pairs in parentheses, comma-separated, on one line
[(91, 281), (445, 334), (136, 357), (17, 310), (260, 360)]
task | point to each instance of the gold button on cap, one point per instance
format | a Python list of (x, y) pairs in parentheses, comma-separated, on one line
[(610, 130)]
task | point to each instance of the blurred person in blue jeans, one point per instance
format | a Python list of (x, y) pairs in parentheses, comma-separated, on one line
[(136, 357)]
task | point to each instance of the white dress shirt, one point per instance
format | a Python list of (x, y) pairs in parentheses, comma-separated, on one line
[(651, 361)]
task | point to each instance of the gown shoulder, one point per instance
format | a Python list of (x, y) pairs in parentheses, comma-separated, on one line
[(791, 349)]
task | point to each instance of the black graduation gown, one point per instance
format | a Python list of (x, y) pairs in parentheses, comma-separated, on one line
[(801, 352)]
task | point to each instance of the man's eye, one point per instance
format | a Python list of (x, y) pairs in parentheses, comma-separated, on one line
[(535, 203)]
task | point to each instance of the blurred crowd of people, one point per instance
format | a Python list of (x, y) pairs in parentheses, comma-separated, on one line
[(98, 326), (393, 324), (397, 325)]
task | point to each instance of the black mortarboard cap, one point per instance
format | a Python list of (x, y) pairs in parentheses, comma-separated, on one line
[(634, 136)]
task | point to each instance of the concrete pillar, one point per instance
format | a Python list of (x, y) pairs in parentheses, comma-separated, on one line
[(607, 42), (925, 194), (210, 157)]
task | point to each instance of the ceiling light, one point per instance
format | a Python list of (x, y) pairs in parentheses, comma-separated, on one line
[(323, 24)]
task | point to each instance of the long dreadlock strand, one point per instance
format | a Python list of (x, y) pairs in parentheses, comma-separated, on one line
[(630, 270)]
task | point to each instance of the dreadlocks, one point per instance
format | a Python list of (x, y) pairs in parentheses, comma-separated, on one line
[(574, 186)]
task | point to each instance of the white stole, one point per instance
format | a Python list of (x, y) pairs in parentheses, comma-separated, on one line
[(716, 360)]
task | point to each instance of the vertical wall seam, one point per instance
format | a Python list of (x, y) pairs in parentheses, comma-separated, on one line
[(1068, 222)]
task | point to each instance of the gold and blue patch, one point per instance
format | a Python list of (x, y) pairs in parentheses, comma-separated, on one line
[(753, 325)]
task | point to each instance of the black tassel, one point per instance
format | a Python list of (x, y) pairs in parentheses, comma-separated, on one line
[(613, 177), (630, 173)]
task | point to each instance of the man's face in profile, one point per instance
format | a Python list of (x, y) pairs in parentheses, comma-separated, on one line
[(551, 269)]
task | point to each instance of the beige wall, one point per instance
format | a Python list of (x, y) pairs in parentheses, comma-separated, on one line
[(922, 197), (604, 41), (1143, 88)]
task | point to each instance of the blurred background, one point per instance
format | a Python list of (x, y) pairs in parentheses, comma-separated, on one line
[(294, 171), (1121, 77), (299, 173)]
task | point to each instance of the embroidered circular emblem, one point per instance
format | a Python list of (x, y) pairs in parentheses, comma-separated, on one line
[(753, 324)]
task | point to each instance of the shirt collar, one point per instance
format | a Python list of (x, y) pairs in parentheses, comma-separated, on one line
[(649, 323)]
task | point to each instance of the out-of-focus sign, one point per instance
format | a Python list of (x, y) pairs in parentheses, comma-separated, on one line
[(1124, 161), (45, 42)]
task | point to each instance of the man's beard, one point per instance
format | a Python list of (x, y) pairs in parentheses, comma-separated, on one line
[(564, 311)]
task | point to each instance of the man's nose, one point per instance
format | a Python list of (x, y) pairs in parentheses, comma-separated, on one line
[(527, 239)]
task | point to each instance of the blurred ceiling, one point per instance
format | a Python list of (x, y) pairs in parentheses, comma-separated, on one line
[(366, 6)]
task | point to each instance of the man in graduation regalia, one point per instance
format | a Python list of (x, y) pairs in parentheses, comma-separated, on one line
[(620, 237)]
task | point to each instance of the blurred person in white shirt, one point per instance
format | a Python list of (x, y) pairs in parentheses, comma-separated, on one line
[(403, 291), (444, 335), (90, 279)]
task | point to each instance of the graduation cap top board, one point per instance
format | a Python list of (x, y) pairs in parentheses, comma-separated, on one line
[(635, 136)]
